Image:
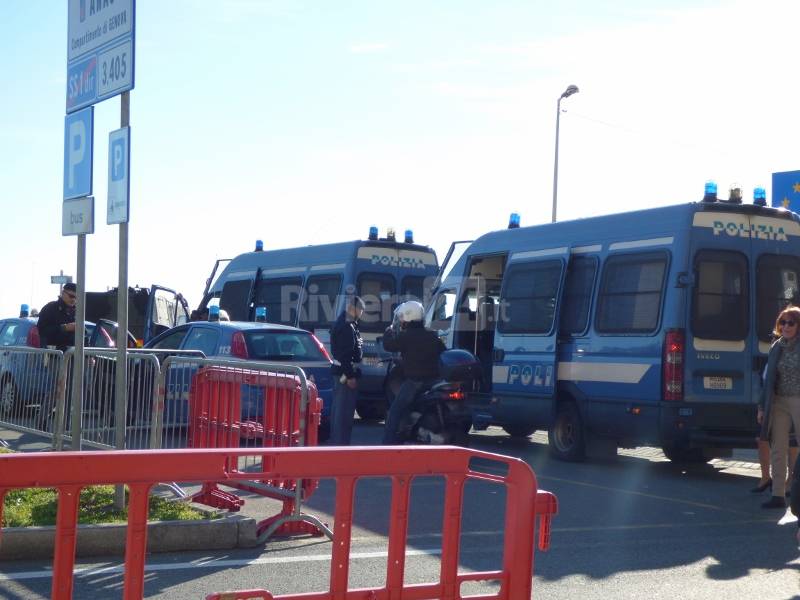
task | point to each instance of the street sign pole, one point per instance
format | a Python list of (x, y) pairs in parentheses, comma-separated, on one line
[(121, 387), (77, 359)]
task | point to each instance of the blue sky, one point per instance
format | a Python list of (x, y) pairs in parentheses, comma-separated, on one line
[(302, 122)]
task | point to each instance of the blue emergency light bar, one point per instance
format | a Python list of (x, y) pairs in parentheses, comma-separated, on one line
[(760, 196), (213, 313), (373, 233), (261, 314), (513, 221), (409, 236), (259, 246), (710, 194), (24, 310)]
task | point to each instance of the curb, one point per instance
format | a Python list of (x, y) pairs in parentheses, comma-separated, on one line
[(25, 543)]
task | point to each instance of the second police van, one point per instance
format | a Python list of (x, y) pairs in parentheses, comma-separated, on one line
[(306, 287), (646, 327)]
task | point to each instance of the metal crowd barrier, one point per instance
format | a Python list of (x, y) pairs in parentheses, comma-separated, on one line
[(526, 507), (97, 425), (213, 403), (29, 380)]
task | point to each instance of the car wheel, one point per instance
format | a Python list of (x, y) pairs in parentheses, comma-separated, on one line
[(566, 437), (519, 430), (9, 396)]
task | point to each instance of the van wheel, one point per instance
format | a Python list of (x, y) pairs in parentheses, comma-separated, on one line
[(566, 437), (371, 410), (518, 430), (9, 397), (683, 455)]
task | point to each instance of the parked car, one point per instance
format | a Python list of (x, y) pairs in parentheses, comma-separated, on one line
[(28, 380), (253, 341)]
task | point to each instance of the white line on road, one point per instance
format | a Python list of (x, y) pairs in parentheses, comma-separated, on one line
[(209, 563)]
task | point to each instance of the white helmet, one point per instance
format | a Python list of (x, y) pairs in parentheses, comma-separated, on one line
[(409, 311)]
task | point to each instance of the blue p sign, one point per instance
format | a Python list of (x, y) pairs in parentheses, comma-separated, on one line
[(78, 153), (119, 162)]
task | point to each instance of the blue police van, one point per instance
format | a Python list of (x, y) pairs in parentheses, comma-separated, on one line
[(306, 287), (648, 327)]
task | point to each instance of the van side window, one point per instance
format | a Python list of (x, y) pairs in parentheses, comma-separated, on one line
[(440, 317), (280, 297), (578, 294), (777, 286), (630, 293), (377, 290), (528, 298), (318, 310), (235, 299), (720, 307)]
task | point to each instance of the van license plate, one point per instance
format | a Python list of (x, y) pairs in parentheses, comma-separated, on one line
[(718, 383)]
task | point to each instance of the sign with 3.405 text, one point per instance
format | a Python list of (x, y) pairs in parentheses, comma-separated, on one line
[(100, 51)]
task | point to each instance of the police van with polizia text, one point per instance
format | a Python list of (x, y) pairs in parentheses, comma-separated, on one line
[(649, 327), (307, 287)]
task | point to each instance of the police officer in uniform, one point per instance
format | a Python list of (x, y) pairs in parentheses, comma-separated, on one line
[(346, 346), (57, 320)]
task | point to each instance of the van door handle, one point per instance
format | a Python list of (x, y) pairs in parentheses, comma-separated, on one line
[(498, 355)]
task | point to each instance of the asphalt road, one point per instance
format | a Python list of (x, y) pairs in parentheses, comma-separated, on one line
[(634, 527)]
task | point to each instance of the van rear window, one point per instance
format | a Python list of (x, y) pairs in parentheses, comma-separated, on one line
[(319, 301), (720, 300), (630, 293), (777, 287)]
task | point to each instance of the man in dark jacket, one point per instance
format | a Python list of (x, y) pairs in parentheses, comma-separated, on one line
[(346, 346), (57, 320), (420, 349)]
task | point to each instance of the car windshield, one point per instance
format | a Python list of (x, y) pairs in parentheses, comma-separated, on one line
[(293, 346)]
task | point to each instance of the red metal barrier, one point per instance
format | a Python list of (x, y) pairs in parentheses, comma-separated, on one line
[(275, 418), (70, 471)]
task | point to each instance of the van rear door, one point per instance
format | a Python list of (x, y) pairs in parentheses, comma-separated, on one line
[(165, 309), (719, 339)]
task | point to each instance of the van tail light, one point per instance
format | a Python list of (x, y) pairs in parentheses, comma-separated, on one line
[(457, 395), (672, 361), (322, 348), (33, 338), (239, 346)]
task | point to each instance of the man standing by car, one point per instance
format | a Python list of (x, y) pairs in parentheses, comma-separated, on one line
[(419, 349), (57, 320), (346, 345)]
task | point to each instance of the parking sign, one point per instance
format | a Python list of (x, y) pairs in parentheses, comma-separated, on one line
[(78, 153), (119, 162)]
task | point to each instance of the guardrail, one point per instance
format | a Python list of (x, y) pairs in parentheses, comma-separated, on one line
[(526, 506), (29, 381)]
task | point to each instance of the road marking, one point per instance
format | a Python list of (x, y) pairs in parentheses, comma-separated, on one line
[(645, 495), (209, 563)]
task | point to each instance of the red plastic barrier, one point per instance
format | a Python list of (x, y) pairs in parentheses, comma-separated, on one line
[(71, 471), (216, 421)]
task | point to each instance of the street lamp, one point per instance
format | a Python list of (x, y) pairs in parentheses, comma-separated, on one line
[(573, 89)]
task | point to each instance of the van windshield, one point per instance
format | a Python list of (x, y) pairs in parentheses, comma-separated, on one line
[(720, 300), (777, 285)]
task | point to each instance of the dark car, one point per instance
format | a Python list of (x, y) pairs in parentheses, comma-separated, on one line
[(246, 341)]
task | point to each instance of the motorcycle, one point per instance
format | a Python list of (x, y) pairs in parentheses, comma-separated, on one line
[(439, 414)]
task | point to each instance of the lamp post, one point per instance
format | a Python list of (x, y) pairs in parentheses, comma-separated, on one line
[(573, 89)]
